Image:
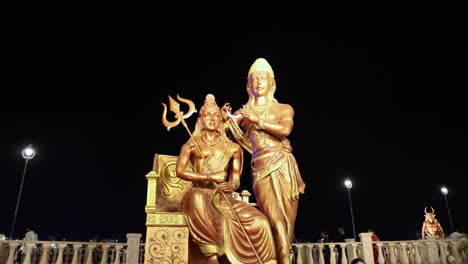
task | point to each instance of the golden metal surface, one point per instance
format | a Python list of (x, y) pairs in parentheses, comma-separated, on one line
[(431, 226), (166, 245), (179, 115), (262, 127), (218, 223), (166, 228), (166, 219)]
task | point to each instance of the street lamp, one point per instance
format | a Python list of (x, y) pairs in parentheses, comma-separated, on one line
[(444, 191), (348, 184), (28, 153)]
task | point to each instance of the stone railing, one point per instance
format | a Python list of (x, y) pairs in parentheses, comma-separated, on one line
[(428, 251), (67, 252)]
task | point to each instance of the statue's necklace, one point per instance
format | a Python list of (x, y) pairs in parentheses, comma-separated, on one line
[(211, 143), (260, 109)]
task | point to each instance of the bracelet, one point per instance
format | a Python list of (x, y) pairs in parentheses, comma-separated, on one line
[(261, 124)]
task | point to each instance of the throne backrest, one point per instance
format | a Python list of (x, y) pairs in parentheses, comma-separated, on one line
[(169, 188)]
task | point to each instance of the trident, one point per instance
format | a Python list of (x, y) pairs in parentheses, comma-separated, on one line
[(174, 106)]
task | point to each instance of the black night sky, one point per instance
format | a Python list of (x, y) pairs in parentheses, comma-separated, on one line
[(377, 89)]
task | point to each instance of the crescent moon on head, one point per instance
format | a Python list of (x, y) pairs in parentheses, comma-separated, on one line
[(228, 112)]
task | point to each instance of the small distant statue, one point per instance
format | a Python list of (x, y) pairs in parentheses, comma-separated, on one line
[(431, 227)]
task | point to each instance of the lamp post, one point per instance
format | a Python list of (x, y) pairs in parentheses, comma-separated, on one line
[(348, 184), (28, 153), (444, 191)]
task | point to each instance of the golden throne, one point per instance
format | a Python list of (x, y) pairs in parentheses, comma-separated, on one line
[(167, 233)]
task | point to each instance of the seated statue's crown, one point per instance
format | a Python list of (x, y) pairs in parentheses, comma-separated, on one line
[(261, 64), (210, 99), (210, 102)]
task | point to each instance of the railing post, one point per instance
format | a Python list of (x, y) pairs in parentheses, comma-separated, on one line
[(442, 252), (381, 258), (105, 254), (321, 258), (417, 253), (3, 251), (245, 196), (432, 250), (368, 252), (76, 249), (411, 251), (89, 253), (332, 254), (133, 248), (344, 259), (403, 256), (454, 251), (45, 253), (29, 248), (349, 249), (11, 254), (310, 254), (118, 248), (354, 247), (61, 248), (299, 254)]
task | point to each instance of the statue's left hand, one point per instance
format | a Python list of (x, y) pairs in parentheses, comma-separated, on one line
[(218, 177), (224, 110), (226, 187)]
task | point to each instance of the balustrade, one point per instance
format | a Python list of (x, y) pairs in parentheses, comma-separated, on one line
[(428, 251)]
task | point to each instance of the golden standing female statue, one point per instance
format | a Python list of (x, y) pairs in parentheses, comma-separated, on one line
[(262, 127)]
